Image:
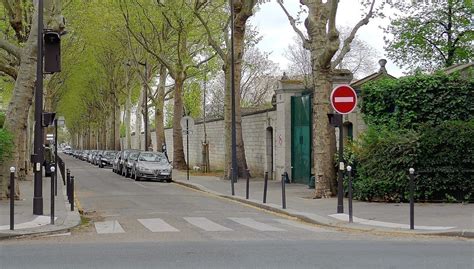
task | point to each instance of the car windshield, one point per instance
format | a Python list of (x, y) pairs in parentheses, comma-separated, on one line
[(110, 154), (152, 157)]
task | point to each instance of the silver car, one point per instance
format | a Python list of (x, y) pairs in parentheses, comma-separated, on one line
[(152, 165)]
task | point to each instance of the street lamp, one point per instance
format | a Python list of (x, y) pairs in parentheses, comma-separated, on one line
[(38, 155), (234, 137)]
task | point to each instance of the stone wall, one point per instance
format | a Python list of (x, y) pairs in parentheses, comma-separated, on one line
[(258, 140)]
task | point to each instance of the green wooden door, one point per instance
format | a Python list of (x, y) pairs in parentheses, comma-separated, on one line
[(301, 119)]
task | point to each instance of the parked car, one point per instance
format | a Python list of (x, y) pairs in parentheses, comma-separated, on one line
[(122, 158), (128, 163), (106, 158), (115, 163), (152, 165), (84, 155), (97, 156)]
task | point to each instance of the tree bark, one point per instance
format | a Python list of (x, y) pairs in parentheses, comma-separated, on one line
[(138, 119), (159, 108), (128, 117), (17, 114), (178, 151)]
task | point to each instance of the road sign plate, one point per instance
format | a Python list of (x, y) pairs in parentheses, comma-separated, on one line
[(187, 123), (344, 99)]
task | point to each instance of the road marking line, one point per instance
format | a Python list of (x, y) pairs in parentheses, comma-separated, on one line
[(302, 226), (108, 227), (345, 217), (256, 225), (343, 99), (157, 225), (206, 224)]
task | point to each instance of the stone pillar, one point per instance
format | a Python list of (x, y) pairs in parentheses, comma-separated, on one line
[(282, 132)]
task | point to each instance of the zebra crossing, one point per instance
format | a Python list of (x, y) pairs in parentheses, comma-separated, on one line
[(158, 225)]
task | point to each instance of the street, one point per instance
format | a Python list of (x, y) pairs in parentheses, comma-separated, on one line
[(163, 225)]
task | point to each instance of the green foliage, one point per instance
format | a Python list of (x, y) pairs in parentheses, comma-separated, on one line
[(382, 161), (6, 144), (193, 99), (442, 155), (446, 161), (413, 100), (430, 36)]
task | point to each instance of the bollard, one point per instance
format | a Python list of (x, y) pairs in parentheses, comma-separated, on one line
[(12, 198), (265, 185), (247, 187), (349, 172), (72, 193), (53, 176), (412, 202), (283, 195), (68, 185), (232, 181)]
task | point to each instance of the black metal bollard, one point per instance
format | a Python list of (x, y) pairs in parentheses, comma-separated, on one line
[(349, 172), (68, 186), (12, 198), (283, 194), (247, 187), (53, 176), (265, 185), (72, 193), (412, 199)]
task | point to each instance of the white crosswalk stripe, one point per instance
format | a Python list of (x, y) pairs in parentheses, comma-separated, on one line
[(206, 224), (108, 227), (256, 225), (157, 225)]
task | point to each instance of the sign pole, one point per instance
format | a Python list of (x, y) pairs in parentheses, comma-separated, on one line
[(340, 186), (344, 101)]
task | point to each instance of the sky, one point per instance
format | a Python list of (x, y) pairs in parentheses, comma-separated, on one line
[(277, 33)]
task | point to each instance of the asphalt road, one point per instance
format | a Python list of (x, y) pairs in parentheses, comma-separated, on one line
[(132, 224)]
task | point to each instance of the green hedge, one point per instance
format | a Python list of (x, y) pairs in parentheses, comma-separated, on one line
[(442, 155), (420, 99)]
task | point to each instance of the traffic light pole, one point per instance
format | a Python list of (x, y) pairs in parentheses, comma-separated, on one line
[(38, 139)]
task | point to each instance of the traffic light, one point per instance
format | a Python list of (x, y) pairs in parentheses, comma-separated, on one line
[(52, 52)]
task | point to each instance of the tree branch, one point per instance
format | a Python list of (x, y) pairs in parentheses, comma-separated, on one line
[(346, 47), (10, 48), (306, 43)]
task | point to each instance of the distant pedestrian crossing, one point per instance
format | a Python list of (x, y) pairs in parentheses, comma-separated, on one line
[(231, 224)]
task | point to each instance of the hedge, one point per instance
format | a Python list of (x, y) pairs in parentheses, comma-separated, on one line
[(442, 155), (419, 99)]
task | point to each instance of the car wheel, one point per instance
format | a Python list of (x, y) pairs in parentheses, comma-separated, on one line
[(137, 178), (169, 180)]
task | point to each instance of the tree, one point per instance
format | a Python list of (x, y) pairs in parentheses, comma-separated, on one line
[(431, 36), (23, 20), (322, 40), (170, 33)]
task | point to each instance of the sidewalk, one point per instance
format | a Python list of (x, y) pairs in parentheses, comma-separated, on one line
[(26, 223), (430, 218)]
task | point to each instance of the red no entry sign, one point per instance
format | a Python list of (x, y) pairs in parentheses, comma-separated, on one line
[(343, 99)]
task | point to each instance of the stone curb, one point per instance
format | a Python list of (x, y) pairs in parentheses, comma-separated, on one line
[(70, 220), (321, 220)]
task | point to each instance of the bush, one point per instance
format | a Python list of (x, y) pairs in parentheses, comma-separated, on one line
[(420, 99), (383, 158), (443, 157), (446, 162), (6, 144)]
